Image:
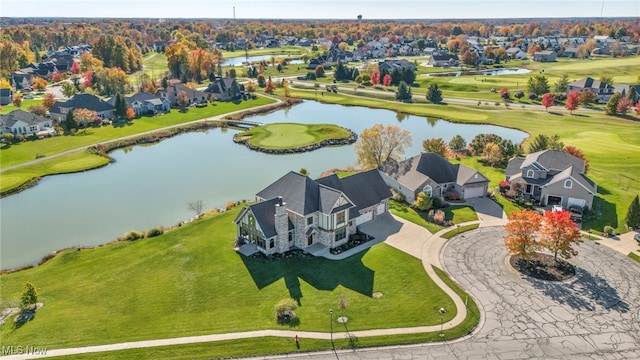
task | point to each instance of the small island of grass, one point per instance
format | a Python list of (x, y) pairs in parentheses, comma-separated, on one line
[(280, 138)]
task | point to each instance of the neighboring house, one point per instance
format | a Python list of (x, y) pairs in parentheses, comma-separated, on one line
[(571, 52), (225, 89), (603, 91), (399, 64), (82, 101), (23, 78), (172, 91), (441, 59), (145, 104), (552, 177), (297, 212), (544, 56), (6, 96), (432, 174), (516, 53), (20, 122)]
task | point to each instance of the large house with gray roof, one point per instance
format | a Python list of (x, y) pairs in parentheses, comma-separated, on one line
[(82, 101), (602, 90), (145, 104), (20, 122), (552, 177), (432, 174), (297, 212)]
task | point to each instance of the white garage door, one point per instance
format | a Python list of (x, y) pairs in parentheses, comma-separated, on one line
[(576, 202), (368, 216), (381, 209), (473, 192)]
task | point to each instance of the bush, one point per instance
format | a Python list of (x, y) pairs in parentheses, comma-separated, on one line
[(609, 230), (533, 96), (397, 195), (133, 235), (438, 218), (452, 195), (153, 232), (560, 97)]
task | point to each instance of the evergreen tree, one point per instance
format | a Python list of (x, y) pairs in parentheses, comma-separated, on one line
[(69, 122), (434, 95), (121, 106), (633, 215), (404, 92), (612, 106), (540, 142), (340, 73)]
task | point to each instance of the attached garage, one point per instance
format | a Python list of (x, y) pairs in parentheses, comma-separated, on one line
[(576, 202), (473, 192), (368, 216), (381, 209)]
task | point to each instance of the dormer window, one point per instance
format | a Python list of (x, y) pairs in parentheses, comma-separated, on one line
[(568, 184), (427, 190), (530, 173)]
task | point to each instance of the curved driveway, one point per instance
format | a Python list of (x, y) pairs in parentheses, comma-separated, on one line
[(593, 316)]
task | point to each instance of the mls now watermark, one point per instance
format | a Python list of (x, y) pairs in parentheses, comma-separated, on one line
[(23, 350)]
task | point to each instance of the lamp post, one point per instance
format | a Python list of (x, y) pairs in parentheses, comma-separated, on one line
[(331, 326), (458, 226), (442, 311)]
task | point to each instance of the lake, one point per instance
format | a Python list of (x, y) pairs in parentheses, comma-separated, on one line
[(150, 185), (237, 61)]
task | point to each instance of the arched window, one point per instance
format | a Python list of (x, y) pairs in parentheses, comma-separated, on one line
[(568, 184), (529, 173), (428, 190)]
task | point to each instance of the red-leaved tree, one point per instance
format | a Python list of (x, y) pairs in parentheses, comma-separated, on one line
[(559, 234), (624, 106), (547, 101), (75, 68), (88, 79), (522, 232), (386, 81), (48, 100), (375, 77), (638, 108), (579, 154), (130, 113), (573, 101)]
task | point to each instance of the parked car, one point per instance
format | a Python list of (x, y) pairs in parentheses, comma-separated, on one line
[(28, 96), (636, 237), (576, 213)]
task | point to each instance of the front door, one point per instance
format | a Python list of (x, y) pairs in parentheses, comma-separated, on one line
[(310, 240)]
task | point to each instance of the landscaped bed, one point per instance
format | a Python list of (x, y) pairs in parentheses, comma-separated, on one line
[(543, 267), (291, 137)]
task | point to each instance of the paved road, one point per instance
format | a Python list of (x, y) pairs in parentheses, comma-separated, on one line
[(594, 316)]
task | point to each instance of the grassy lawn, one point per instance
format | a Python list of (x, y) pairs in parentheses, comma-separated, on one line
[(190, 282), (26, 103), (27, 151), (285, 50), (76, 161), (290, 135), (457, 214), (155, 65), (634, 257), (451, 233)]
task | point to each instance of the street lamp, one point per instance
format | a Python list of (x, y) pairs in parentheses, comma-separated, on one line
[(442, 311), (458, 226), (331, 326)]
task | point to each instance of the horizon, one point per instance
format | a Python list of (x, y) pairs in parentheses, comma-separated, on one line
[(328, 10)]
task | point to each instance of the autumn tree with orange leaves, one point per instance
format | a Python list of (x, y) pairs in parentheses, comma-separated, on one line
[(547, 101), (559, 234), (522, 233)]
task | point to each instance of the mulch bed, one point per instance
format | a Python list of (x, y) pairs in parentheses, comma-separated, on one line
[(543, 267)]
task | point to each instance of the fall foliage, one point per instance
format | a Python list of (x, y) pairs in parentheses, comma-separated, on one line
[(559, 234), (579, 154), (573, 101), (522, 232), (547, 101), (379, 143)]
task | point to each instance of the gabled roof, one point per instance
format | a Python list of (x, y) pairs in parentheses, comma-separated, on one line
[(299, 192), (82, 101), (20, 115), (467, 175), (140, 97), (572, 173), (444, 57), (265, 214), (590, 83), (553, 160)]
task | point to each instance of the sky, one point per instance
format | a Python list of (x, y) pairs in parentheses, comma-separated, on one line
[(321, 9)]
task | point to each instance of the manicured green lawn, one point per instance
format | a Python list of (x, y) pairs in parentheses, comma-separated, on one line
[(285, 50), (634, 257), (191, 282), (76, 161), (451, 233), (25, 106), (155, 65), (291, 135), (457, 214), (27, 151)]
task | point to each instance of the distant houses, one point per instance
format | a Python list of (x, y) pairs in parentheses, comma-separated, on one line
[(20, 122), (602, 90), (544, 56), (145, 104), (225, 89), (172, 91), (444, 59), (102, 108)]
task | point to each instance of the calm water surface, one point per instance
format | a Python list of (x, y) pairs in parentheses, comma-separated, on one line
[(237, 61), (149, 186)]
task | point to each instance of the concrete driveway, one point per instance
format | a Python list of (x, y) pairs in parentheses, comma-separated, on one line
[(487, 209)]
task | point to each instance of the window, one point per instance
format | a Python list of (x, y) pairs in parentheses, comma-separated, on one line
[(428, 190), (272, 244), (290, 236), (529, 173), (340, 234), (568, 184), (340, 218), (310, 220)]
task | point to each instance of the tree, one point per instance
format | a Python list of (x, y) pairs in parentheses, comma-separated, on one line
[(561, 84), (304, 171), (57, 77), (48, 101), (624, 106), (479, 142), (196, 206), (522, 233), (573, 101), (284, 308), (434, 94), (572, 150), (182, 99), (270, 87), (492, 153), (319, 71), (130, 113), (555, 143), (5, 84), (285, 87), (607, 79), (423, 202), (386, 80), (261, 81), (437, 146), (83, 116), (540, 142), (75, 68), (586, 98), (547, 101), (404, 92), (375, 77), (633, 214), (380, 143), (469, 58), (559, 234), (201, 64), (538, 84), (17, 101), (120, 106), (457, 143), (612, 106), (88, 79), (68, 89), (69, 122), (38, 109), (250, 86), (29, 296), (39, 84)]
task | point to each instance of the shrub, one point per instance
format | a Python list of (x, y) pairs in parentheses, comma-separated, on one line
[(153, 232), (504, 186), (397, 195), (560, 97), (438, 218), (533, 96), (133, 235), (609, 230), (430, 215), (452, 195), (229, 205)]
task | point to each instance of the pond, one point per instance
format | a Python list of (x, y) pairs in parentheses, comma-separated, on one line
[(509, 71), (241, 60), (150, 186)]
